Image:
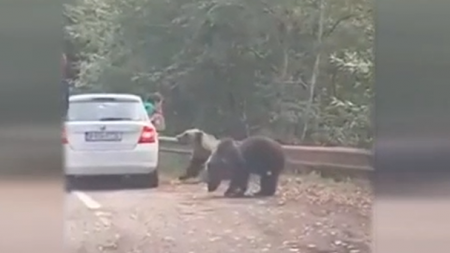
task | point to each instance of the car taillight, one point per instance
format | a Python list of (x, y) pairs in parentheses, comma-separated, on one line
[(148, 135), (64, 137)]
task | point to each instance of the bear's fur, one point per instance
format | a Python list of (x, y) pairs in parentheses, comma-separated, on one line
[(202, 145), (257, 155)]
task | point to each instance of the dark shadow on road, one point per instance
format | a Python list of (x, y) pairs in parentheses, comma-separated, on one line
[(102, 183)]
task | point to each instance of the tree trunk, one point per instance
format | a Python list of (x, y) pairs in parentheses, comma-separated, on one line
[(315, 72)]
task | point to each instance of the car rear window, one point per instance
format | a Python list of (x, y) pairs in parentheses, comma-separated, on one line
[(106, 110)]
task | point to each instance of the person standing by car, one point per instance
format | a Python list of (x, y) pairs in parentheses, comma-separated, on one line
[(153, 104)]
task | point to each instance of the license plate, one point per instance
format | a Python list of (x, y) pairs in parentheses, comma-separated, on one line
[(103, 136)]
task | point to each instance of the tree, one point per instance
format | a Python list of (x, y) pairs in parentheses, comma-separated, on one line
[(297, 71)]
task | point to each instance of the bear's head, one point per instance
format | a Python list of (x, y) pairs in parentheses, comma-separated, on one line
[(190, 136), (197, 137), (221, 162)]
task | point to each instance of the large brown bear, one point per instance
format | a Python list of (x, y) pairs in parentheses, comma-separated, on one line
[(255, 155), (202, 146)]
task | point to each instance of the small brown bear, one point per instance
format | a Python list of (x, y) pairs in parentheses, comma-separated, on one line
[(202, 146), (257, 155)]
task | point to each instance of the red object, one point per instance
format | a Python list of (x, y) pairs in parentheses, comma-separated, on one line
[(148, 135), (64, 137), (158, 108)]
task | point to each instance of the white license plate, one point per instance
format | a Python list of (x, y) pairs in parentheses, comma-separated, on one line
[(102, 136)]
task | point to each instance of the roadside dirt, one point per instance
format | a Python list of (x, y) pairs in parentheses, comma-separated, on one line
[(309, 215)]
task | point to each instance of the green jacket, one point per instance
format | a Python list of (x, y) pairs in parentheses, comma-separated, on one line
[(149, 107)]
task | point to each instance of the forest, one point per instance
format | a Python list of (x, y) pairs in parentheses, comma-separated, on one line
[(298, 71)]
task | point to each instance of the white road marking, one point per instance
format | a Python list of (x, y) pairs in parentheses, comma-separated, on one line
[(87, 200), (104, 218), (91, 204)]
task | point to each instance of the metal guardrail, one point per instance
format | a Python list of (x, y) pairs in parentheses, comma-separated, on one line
[(301, 156)]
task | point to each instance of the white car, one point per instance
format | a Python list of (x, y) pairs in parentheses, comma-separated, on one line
[(110, 134)]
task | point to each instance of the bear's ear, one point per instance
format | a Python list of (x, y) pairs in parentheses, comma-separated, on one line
[(198, 138)]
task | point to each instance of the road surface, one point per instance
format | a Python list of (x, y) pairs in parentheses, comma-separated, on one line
[(304, 217)]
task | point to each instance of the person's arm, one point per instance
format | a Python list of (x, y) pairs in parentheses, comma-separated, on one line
[(159, 122)]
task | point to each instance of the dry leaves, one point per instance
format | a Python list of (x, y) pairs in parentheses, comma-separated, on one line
[(319, 191)]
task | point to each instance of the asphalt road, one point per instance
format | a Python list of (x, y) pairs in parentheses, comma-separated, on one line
[(185, 218)]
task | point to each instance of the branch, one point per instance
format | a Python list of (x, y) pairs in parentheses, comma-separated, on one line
[(336, 24), (299, 81)]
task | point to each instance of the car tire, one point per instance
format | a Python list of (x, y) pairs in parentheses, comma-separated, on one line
[(153, 179), (68, 184)]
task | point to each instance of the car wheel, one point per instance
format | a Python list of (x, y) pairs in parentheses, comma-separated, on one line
[(154, 179), (69, 182)]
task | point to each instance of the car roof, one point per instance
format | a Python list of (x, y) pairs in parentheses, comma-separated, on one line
[(83, 97)]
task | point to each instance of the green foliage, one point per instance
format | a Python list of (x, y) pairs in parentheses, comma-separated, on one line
[(252, 62)]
